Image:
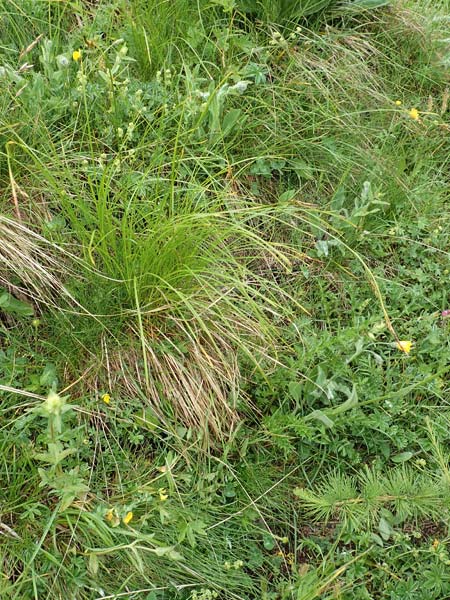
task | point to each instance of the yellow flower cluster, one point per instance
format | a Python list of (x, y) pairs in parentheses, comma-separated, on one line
[(413, 113), (113, 517), (405, 346), (163, 495)]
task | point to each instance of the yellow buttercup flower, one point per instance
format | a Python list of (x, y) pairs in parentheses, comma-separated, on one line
[(398, 102), (76, 55), (109, 515), (106, 398), (414, 114), (405, 346), (162, 494), (112, 517), (128, 517)]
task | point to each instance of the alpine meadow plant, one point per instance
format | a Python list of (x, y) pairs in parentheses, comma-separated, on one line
[(168, 257)]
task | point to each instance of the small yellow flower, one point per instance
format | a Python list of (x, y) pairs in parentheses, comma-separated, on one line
[(162, 494), (398, 102), (112, 517), (435, 544), (405, 346), (414, 114), (106, 398), (128, 517), (76, 55)]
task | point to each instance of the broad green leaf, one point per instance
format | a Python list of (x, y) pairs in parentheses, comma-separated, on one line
[(295, 390), (322, 417), (347, 405), (93, 564), (11, 305), (385, 529), (402, 457), (268, 541), (230, 120), (49, 377)]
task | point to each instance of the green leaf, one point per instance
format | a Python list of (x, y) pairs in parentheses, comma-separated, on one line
[(174, 555), (385, 529), (377, 539), (351, 402), (230, 120), (49, 377), (229, 491), (93, 564), (11, 305), (287, 195), (166, 551), (301, 168), (322, 417), (226, 5), (146, 419), (295, 390), (268, 541), (402, 457), (322, 247)]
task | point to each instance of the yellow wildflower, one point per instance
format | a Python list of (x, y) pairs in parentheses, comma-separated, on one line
[(398, 102), (128, 517), (414, 114), (405, 346), (162, 494), (106, 398), (76, 55), (112, 517), (435, 544)]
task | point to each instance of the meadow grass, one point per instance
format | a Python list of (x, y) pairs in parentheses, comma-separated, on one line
[(223, 305)]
